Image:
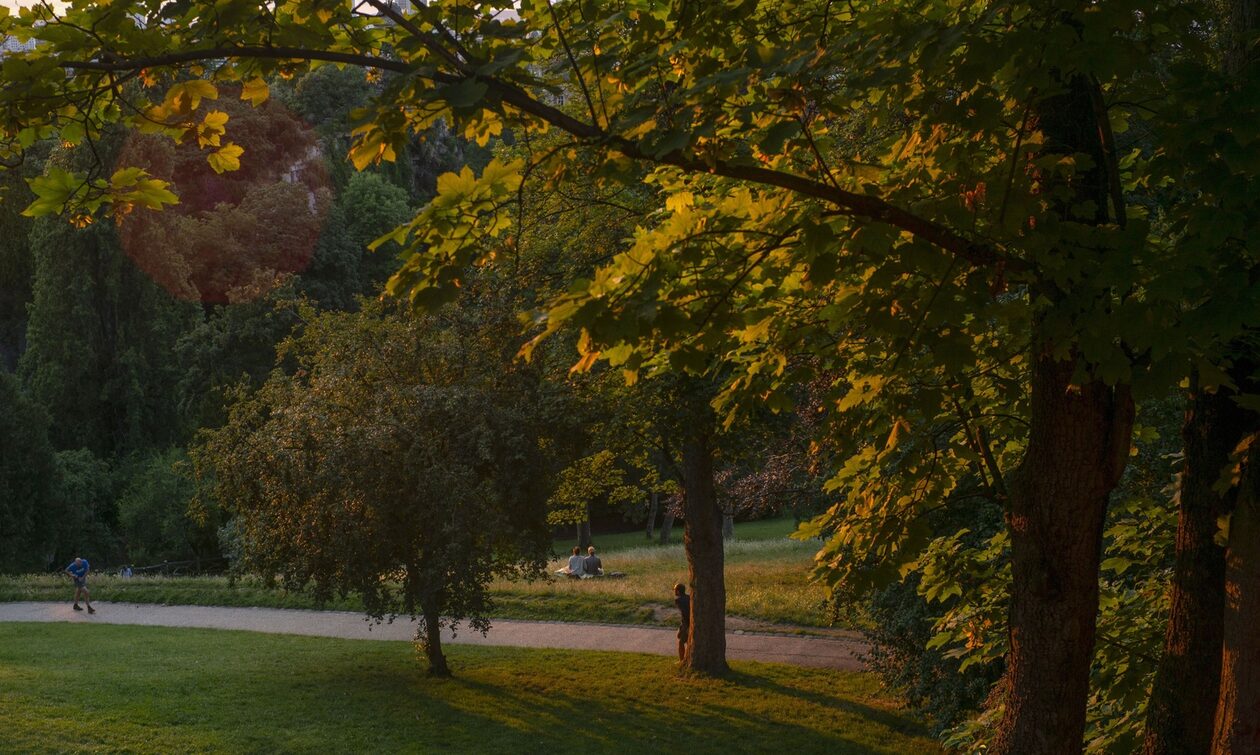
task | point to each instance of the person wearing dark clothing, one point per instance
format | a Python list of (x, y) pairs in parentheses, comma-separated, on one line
[(591, 564), (683, 601)]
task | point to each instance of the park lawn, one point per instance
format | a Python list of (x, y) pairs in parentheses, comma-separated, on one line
[(83, 687), (778, 528), (767, 581)]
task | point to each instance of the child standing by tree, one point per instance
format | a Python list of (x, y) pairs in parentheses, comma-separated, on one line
[(683, 601)]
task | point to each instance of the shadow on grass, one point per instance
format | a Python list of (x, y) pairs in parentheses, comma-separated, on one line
[(208, 690)]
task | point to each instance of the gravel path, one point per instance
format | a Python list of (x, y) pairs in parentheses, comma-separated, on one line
[(837, 653)]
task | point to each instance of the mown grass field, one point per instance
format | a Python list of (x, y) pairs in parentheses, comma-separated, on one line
[(767, 580), (98, 688)]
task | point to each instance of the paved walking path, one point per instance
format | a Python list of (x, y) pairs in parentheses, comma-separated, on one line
[(838, 653)]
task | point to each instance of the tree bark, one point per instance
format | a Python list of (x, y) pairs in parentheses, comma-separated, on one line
[(653, 500), (584, 530), (1182, 710), (728, 525), (1237, 729), (667, 526), (1078, 444), (432, 639), (702, 538), (1237, 724)]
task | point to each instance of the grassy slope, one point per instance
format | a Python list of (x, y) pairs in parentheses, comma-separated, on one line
[(147, 689), (765, 579), (766, 574)]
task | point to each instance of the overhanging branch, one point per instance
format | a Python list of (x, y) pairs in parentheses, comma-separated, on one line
[(978, 254)]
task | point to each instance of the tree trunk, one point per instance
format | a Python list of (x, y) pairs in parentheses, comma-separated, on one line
[(1182, 709), (667, 526), (1078, 443), (1237, 725), (653, 501), (728, 525), (432, 639), (706, 648), (584, 531), (1238, 708)]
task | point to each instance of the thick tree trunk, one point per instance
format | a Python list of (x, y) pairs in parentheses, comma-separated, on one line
[(432, 640), (667, 527), (653, 503), (1237, 730), (1237, 725), (706, 649), (728, 525), (1182, 709), (1078, 444)]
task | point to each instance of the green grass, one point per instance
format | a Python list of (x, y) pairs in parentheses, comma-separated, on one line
[(207, 591), (766, 581), (102, 688), (765, 529)]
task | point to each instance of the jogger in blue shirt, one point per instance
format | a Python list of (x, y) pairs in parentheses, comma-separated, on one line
[(78, 571)]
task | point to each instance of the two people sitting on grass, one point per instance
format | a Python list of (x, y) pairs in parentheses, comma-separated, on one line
[(583, 568)]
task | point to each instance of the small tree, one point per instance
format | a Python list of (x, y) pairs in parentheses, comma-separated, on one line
[(392, 465), (592, 478)]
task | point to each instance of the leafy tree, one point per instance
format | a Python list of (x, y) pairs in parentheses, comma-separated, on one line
[(155, 519), (236, 233), (16, 268), (84, 513), (1201, 696), (590, 479), (983, 210), (385, 467), (28, 470), (99, 342), (370, 207)]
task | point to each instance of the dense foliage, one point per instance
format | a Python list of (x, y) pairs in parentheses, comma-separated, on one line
[(980, 244), (389, 465)]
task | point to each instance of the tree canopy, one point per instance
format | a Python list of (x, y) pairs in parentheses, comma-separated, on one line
[(381, 468), (983, 233)]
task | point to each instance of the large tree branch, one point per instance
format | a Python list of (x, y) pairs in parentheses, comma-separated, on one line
[(977, 253), (111, 63)]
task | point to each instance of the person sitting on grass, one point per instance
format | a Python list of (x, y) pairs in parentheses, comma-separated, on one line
[(574, 569), (78, 571), (591, 565)]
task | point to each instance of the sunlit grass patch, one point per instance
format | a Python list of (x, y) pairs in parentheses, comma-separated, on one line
[(766, 580), (155, 690)]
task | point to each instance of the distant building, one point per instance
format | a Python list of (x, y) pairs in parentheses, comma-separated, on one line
[(10, 45)]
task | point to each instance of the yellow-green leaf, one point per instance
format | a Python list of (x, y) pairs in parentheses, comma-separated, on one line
[(255, 91), (226, 158)]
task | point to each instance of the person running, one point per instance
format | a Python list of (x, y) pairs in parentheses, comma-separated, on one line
[(78, 571), (683, 601)]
